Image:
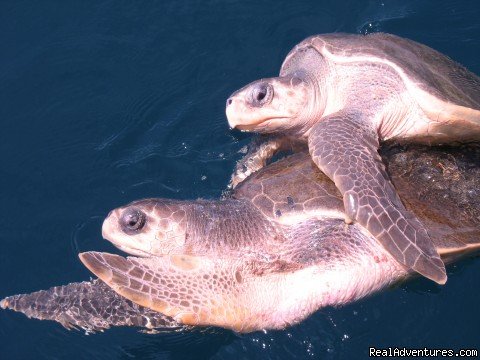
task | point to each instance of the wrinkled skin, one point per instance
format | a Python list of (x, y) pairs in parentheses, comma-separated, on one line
[(343, 94), (289, 255)]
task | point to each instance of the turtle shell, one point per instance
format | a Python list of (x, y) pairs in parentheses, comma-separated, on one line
[(445, 90)]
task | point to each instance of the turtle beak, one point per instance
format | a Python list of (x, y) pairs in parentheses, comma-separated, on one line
[(232, 123), (240, 114), (109, 224), (233, 110), (243, 123)]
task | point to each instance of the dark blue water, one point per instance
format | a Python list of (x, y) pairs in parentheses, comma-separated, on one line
[(104, 102)]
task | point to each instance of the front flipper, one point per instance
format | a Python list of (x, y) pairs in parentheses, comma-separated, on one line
[(345, 148), (92, 306), (235, 294), (261, 149)]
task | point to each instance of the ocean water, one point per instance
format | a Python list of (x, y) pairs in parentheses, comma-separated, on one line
[(105, 102)]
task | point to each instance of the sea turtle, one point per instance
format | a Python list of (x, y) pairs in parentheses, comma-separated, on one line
[(266, 257), (343, 94)]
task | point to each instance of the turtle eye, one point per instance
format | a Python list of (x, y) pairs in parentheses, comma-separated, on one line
[(261, 94), (132, 220)]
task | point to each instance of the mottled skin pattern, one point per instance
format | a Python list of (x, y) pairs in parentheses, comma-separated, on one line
[(314, 259), (255, 292), (231, 275), (343, 94), (429, 180)]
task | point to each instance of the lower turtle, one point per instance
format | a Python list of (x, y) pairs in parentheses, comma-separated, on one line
[(344, 94), (266, 257), (279, 249)]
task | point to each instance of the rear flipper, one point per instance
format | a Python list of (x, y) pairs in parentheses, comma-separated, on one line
[(91, 306), (238, 294), (260, 150), (346, 150)]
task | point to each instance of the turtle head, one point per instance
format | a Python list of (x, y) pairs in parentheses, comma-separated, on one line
[(149, 227), (291, 102), (157, 227), (269, 105)]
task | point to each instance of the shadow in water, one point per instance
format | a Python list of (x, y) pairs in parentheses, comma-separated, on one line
[(195, 344)]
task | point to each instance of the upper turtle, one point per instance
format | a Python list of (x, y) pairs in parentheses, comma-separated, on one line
[(325, 73), (343, 94)]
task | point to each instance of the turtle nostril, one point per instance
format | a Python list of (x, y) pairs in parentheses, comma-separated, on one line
[(132, 220), (229, 101)]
